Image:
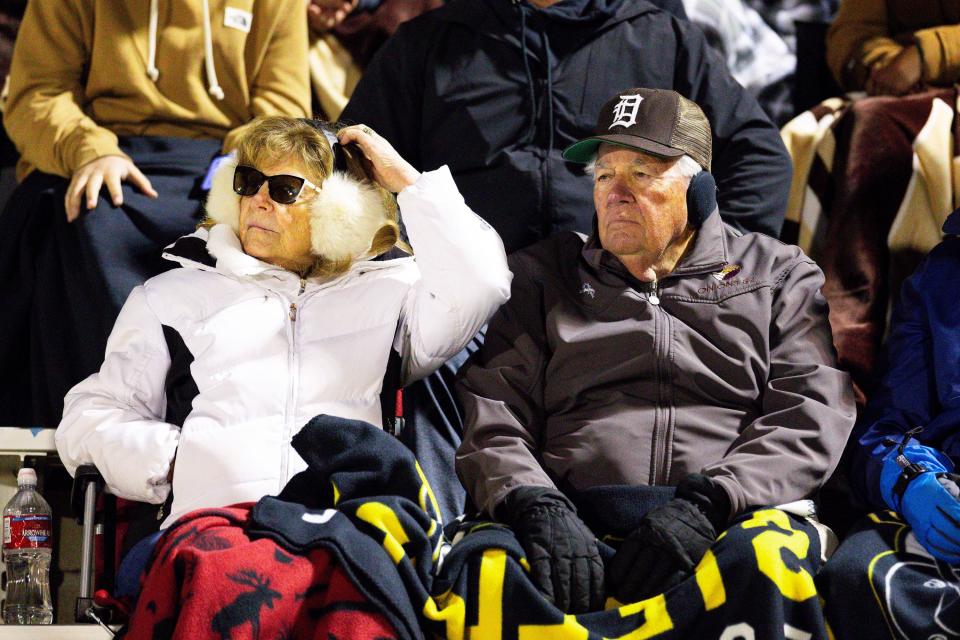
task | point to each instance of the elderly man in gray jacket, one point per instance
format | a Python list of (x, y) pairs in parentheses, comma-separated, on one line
[(666, 352)]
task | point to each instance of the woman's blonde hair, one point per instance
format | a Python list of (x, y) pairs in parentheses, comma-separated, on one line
[(272, 139)]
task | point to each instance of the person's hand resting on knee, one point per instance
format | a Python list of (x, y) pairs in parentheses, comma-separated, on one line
[(106, 170), (565, 563), (670, 541)]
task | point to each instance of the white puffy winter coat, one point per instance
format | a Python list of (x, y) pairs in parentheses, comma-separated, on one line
[(222, 361)]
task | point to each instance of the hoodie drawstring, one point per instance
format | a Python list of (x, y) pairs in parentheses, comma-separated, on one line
[(213, 87), (546, 225), (547, 221), (531, 95), (548, 55), (152, 70)]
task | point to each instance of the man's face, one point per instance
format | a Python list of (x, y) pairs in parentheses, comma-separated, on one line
[(641, 202), (277, 233)]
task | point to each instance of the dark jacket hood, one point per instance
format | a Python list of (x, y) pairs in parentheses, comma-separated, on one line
[(574, 13), (578, 12), (459, 86)]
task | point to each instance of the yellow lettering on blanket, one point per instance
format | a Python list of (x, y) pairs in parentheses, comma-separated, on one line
[(493, 567), (768, 547), (451, 609), (382, 517), (708, 579), (656, 618), (569, 629), (426, 497)]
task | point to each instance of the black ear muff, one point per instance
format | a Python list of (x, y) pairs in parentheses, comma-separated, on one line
[(701, 198)]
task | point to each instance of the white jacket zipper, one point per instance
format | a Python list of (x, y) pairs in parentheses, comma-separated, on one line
[(290, 413)]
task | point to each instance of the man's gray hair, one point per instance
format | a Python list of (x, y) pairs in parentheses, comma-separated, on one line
[(686, 167)]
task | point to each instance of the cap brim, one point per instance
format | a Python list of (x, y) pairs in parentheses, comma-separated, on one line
[(584, 150)]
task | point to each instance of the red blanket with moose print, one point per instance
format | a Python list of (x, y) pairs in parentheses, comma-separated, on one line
[(208, 580)]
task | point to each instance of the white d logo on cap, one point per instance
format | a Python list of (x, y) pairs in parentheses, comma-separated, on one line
[(625, 111)]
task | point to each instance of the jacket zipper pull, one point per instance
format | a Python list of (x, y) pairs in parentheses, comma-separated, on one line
[(293, 312), (653, 297), (303, 286)]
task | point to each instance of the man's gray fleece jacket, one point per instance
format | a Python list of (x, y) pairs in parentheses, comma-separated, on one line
[(588, 377)]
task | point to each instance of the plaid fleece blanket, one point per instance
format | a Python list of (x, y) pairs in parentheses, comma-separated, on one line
[(873, 182)]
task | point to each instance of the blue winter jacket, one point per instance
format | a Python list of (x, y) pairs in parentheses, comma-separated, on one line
[(922, 382)]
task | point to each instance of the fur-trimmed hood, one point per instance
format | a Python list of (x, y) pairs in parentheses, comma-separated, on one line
[(344, 216)]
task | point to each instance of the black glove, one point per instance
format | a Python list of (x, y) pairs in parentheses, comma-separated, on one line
[(670, 541), (565, 564)]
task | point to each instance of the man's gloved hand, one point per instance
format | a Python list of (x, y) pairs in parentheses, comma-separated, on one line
[(926, 501), (670, 541), (565, 564)]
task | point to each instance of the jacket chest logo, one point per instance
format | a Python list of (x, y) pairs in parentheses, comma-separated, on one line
[(237, 19), (588, 290), (730, 276), (727, 273)]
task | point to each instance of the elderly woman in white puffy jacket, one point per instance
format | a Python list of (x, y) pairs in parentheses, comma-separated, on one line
[(287, 304)]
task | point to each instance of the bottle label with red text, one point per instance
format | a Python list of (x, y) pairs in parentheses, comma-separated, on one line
[(32, 531)]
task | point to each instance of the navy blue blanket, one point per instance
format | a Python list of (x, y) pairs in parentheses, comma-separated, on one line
[(469, 579)]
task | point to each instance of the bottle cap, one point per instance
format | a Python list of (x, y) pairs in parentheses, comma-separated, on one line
[(26, 476)]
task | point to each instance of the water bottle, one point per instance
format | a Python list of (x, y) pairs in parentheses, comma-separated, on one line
[(27, 545)]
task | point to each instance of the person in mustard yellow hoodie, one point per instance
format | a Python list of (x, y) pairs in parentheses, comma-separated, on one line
[(895, 47), (118, 111)]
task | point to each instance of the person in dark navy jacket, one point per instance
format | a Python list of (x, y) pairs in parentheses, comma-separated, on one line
[(496, 89), (903, 457)]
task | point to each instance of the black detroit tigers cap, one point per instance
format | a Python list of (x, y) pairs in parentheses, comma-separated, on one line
[(657, 121)]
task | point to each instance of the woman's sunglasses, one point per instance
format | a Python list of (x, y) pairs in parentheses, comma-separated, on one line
[(283, 189)]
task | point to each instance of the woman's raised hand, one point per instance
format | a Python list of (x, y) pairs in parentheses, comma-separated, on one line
[(387, 167)]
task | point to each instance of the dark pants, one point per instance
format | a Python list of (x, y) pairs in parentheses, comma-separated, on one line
[(62, 284), (434, 429), (133, 565)]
